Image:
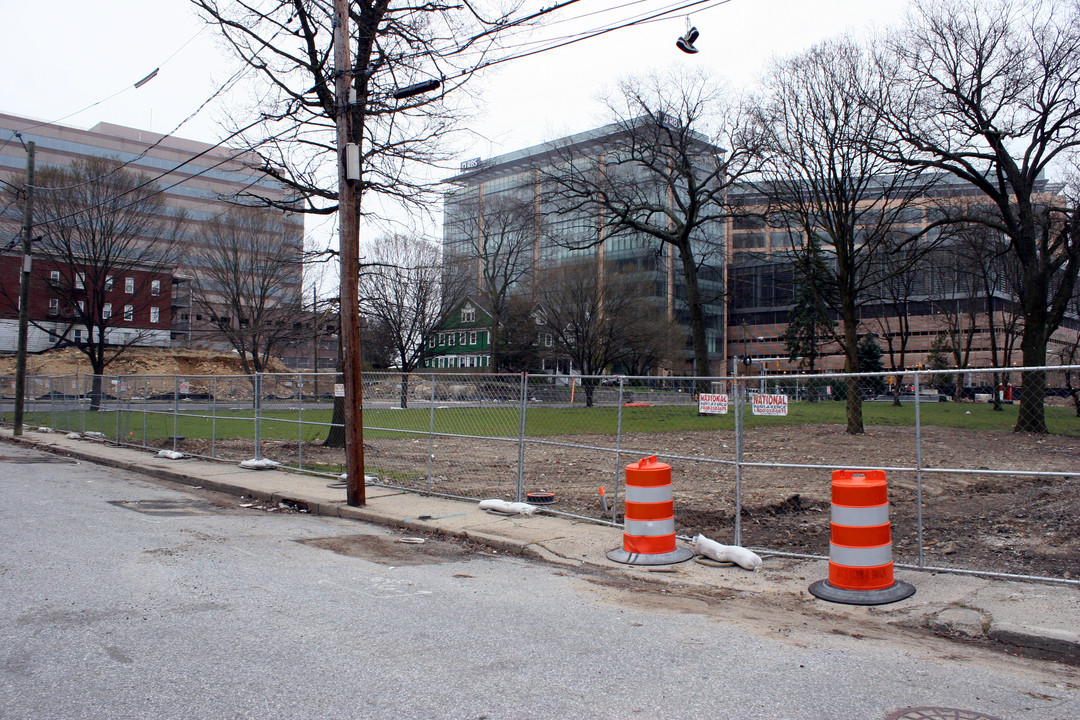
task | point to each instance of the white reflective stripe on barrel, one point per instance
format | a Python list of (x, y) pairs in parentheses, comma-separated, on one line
[(860, 516), (861, 557), (637, 494), (650, 528)]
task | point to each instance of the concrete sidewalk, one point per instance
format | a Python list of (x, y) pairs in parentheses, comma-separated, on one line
[(1043, 618)]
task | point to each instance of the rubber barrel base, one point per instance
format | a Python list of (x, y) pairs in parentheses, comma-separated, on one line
[(898, 591), (669, 558)]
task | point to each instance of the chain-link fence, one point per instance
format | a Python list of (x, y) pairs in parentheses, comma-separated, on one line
[(983, 465)]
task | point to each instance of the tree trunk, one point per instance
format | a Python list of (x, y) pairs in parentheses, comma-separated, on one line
[(854, 385), (404, 390), (1031, 416), (96, 390), (335, 436), (697, 316)]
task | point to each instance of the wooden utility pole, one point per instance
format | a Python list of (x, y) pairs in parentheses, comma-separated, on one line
[(348, 140), (24, 293)]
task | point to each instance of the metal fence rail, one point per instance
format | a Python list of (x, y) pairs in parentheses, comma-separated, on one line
[(752, 455)]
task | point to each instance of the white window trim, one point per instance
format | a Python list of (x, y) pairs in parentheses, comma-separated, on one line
[(129, 285)]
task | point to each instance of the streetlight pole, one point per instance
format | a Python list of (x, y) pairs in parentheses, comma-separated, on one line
[(24, 294), (349, 240)]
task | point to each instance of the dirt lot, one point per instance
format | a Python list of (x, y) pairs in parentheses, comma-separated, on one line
[(1001, 523)]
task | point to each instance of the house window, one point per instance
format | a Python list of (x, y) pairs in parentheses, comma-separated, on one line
[(106, 311), (108, 283), (80, 281), (431, 341), (129, 313), (82, 306), (155, 287), (77, 336), (54, 306), (468, 314), (472, 338), (54, 276), (453, 336), (155, 315), (462, 337), (547, 340), (129, 285)]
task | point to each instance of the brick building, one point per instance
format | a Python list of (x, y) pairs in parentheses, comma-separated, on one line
[(195, 178)]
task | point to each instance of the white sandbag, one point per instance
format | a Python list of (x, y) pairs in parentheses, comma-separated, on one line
[(44, 429), (726, 553), (170, 454), (508, 508), (344, 477), (74, 436), (93, 435), (259, 464)]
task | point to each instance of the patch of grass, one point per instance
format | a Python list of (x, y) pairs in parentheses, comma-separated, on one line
[(541, 421)]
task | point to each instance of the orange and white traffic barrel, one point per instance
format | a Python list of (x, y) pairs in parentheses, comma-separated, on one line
[(649, 527), (860, 544)]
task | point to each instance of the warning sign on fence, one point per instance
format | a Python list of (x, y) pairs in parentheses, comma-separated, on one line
[(770, 404), (339, 389), (712, 404)]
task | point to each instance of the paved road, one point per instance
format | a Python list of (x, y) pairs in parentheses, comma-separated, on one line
[(124, 598)]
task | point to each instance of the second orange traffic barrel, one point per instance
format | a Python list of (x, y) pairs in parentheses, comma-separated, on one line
[(649, 527), (860, 546)]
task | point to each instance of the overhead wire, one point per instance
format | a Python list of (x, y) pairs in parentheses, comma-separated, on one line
[(562, 41), (123, 90)]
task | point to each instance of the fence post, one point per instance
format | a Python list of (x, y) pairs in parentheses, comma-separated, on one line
[(521, 436), (300, 420), (738, 451), (52, 402), (258, 428), (918, 470), (618, 448), (213, 422), (176, 411), (145, 402), (431, 436)]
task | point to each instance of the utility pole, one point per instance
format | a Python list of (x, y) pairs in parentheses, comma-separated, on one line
[(24, 293), (349, 238)]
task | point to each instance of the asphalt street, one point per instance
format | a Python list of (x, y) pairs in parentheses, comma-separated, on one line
[(129, 598)]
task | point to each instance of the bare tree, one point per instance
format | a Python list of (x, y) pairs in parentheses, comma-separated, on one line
[(246, 284), (106, 251), (593, 314), (893, 296), (823, 179), (402, 292), (663, 180), (987, 91), (500, 241)]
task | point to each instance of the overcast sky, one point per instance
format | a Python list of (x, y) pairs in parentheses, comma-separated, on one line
[(76, 62)]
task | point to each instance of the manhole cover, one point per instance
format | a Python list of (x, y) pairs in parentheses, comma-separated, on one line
[(36, 460), (165, 507), (939, 713)]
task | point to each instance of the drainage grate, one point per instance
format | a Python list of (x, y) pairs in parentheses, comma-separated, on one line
[(939, 713)]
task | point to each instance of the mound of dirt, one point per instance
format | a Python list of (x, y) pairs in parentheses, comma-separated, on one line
[(137, 361)]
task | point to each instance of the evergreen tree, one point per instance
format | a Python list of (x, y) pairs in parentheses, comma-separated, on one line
[(869, 354)]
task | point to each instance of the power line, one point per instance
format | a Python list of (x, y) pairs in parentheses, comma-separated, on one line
[(103, 100)]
